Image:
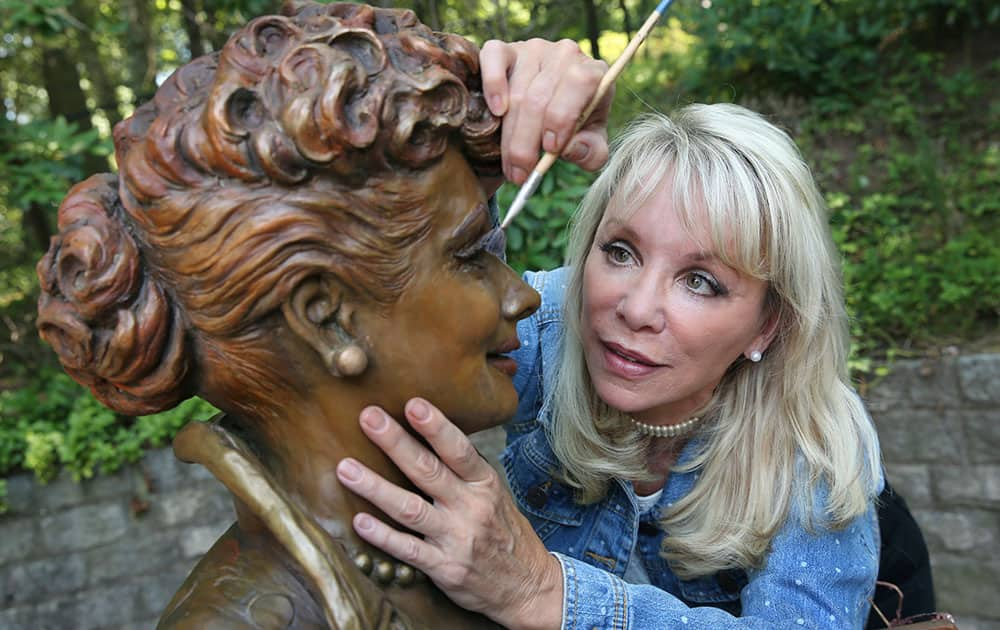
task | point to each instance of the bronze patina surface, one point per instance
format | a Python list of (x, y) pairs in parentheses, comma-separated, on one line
[(296, 231)]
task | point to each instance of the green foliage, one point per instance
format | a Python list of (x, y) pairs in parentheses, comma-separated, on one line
[(39, 161), (920, 250), (53, 424), (39, 16), (42, 159), (914, 205), (894, 107), (41, 453), (39, 406), (537, 238), (830, 52)]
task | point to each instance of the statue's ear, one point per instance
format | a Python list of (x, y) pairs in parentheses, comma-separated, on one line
[(320, 312)]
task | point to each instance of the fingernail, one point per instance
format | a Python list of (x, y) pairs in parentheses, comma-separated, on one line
[(578, 151), (517, 175), (549, 141), (374, 419), (364, 522), (496, 105), (349, 470), (419, 409)]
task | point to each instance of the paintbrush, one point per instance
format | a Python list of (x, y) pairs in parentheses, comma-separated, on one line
[(606, 81)]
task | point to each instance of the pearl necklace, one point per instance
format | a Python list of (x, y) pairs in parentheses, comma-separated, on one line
[(667, 431)]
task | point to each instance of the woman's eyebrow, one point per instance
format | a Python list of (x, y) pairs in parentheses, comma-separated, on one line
[(702, 256), (621, 228)]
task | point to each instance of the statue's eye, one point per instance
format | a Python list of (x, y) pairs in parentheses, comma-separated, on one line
[(493, 242)]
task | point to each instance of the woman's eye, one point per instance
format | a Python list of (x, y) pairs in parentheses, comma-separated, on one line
[(702, 284), (617, 253)]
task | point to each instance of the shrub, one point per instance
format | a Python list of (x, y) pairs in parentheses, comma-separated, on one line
[(537, 237), (52, 424)]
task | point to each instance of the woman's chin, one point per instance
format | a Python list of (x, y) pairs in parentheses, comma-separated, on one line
[(620, 399)]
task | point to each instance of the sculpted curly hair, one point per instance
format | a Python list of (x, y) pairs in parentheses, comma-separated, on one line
[(283, 156)]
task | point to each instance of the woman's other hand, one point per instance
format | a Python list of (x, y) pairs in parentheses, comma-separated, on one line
[(477, 547), (541, 88)]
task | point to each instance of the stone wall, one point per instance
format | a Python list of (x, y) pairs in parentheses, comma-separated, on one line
[(939, 425), (106, 553), (109, 553)]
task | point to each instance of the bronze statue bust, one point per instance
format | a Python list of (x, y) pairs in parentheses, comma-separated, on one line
[(296, 231)]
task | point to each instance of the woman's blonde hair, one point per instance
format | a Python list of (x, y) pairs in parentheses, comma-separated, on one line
[(776, 428)]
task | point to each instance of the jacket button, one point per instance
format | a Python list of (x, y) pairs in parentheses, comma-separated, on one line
[(648, 528), (538, 495), (727, 581)]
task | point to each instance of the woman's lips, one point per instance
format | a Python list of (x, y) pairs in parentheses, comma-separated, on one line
[(627, 363)]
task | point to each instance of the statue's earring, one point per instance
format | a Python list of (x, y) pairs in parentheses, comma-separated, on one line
[(349, 360), (756, 356)]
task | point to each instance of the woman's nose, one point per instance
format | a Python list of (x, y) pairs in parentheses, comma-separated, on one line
[(641, 305), (519, 300)]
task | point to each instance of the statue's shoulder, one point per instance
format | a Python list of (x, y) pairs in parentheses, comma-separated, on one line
[(243, 583)]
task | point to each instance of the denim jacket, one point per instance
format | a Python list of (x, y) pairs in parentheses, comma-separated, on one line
[(811, 579)]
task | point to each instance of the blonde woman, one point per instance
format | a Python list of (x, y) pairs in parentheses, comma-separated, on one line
[(687, 451)]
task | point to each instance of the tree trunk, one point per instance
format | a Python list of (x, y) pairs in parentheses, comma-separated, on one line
[(87, 51), (501, 20), (35, 222), (141, 47), (217, 37), (62, 83), (189, 17), (61, 80), (66, 98), (429, 13), (593, 28), (626, 19)]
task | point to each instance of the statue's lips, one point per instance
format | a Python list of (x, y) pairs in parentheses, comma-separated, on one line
[(503, 363), (498, 357)]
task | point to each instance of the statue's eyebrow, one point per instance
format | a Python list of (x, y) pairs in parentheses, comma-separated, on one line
[(471, 226)]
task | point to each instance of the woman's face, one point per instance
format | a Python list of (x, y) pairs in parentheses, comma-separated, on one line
[(446, 337), (663, 317)]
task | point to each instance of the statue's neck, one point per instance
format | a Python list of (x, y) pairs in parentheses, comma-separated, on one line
[(301, 451)]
